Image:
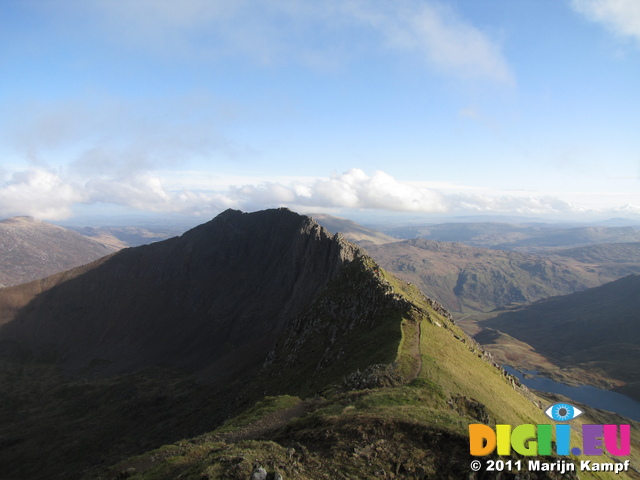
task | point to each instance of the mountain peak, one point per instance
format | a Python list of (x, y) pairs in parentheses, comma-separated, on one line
[(20, 220), (231, 283), (244, 306)]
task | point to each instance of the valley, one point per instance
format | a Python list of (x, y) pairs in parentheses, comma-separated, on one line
[(595, 330), (489, 288)]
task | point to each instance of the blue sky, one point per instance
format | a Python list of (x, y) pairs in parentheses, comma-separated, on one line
[(350, 107)]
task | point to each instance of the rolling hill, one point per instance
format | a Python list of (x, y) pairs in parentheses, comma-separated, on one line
[(609, 260), (32, 249), (352, 231), (253, 338), (471, 279), (129, 236)]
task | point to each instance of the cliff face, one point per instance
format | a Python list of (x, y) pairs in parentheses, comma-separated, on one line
[(215, 298)]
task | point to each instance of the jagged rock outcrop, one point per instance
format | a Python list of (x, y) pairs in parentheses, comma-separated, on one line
[(375, 376)]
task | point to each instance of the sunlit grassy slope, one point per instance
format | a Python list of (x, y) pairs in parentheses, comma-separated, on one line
[(414, 427)]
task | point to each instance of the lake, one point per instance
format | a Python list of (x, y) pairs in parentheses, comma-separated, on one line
[(592, 396)]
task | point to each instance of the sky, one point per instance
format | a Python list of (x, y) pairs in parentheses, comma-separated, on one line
[(348, 107)]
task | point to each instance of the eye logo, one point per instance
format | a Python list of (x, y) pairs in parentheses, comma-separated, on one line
[(563, 412)]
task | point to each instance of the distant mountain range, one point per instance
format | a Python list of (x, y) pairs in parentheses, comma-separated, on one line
[(355, 372), (525, 238), (32, 249), (610, 260), (471, 279), (128, 236)]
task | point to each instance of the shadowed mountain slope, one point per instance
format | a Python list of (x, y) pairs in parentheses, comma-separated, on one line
[(224, 288), (164, 342), (406, 420), (597, 329), (31, 249)]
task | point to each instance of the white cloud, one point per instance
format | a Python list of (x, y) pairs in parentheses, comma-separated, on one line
[(633, 209), (38, 193), (620, 16), (355, 189), (352, 189), (525, 205), (146, 193), (46, 195)]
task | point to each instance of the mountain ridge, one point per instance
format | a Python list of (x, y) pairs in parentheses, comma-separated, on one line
[(353, 231), (154, 283), (31, 249), (159, 343)]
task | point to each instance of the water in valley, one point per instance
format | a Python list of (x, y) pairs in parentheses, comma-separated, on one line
[(592, 396)]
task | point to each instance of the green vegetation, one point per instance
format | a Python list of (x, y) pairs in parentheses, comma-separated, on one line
[(358, 434), (371, 380), (415, 430), (353, 324), (401, 432), (266, 406)]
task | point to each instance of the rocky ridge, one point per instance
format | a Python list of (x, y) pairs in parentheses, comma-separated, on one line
[(163, 342)]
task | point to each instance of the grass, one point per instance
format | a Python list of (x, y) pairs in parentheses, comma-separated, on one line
[(415, 430), (267, 405), (408, 431)]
